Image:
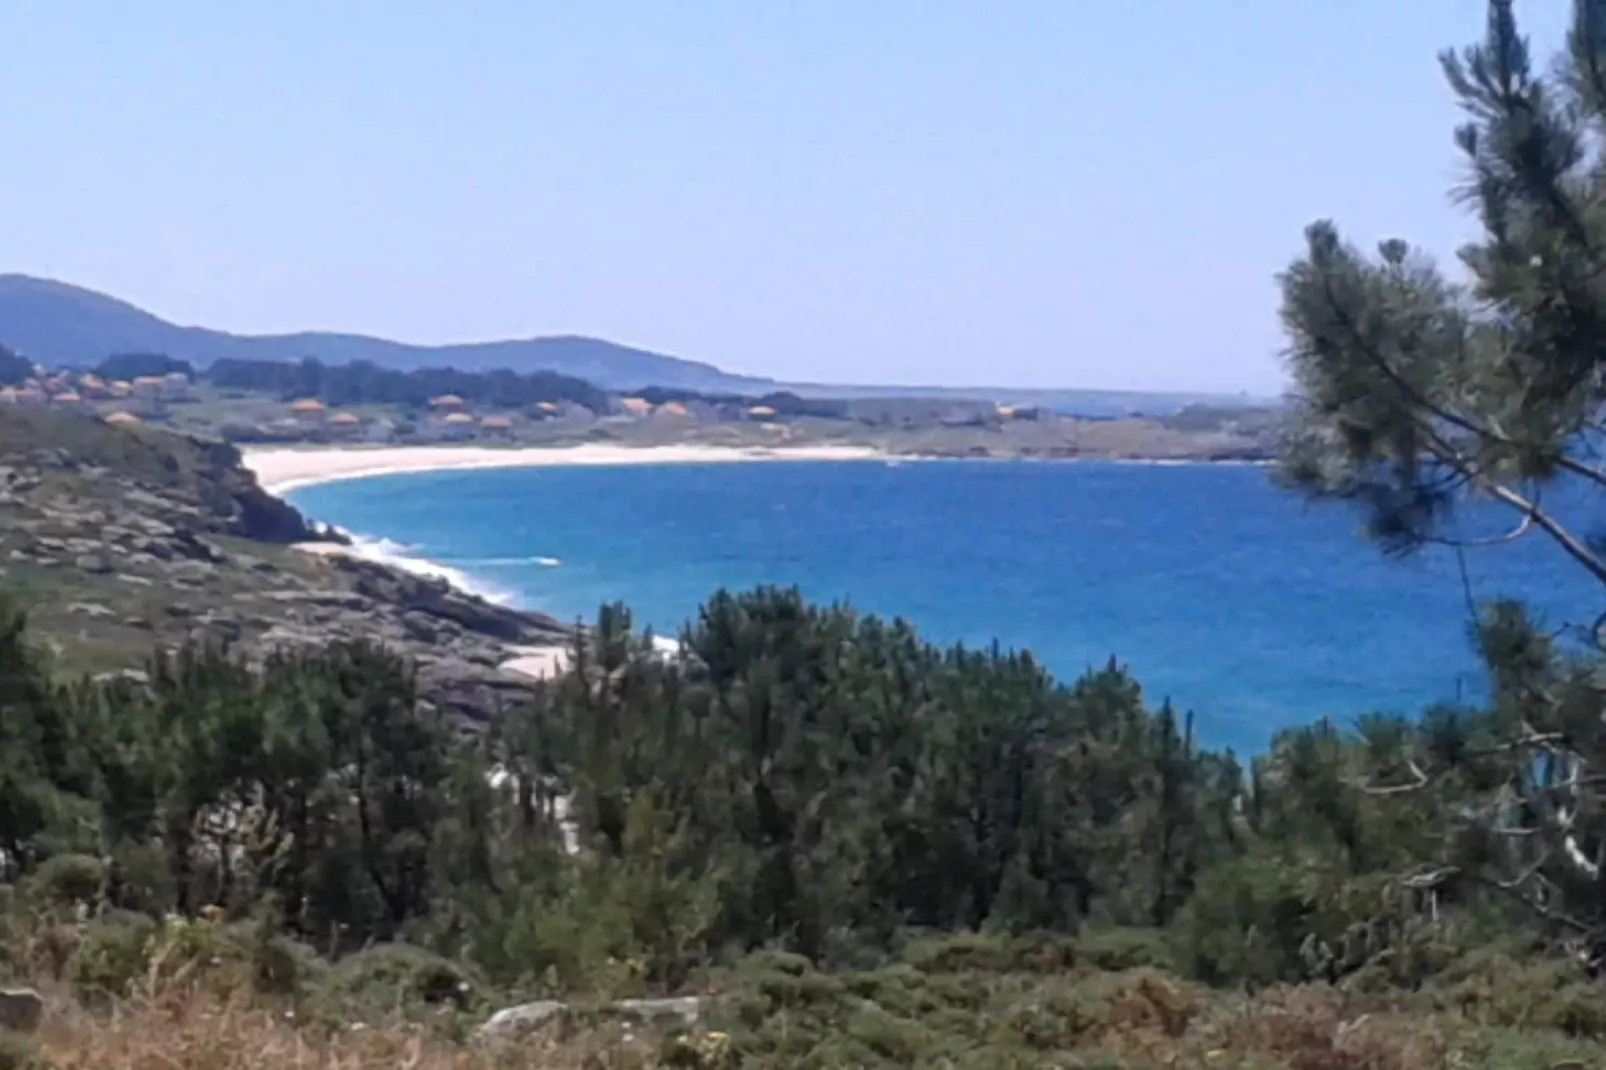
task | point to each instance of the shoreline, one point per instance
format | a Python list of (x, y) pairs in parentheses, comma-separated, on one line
[(281, 470)]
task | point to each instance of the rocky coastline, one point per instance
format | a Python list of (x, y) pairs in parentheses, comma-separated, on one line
[(121, 543)]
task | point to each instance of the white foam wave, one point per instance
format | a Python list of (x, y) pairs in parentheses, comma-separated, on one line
[(400, 556), (509, 562)]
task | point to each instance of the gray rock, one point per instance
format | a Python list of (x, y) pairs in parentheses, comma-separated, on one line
[(526, 1016), (421, 627), (687, 1008), (21, 1009), (465, 689), (93, 563), (133, 676), (334, 599), (155, 548)]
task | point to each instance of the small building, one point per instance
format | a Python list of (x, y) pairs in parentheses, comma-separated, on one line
[(673, 410), (8, 395), (457, 425), (120, 388), (446, 402), (499, 428), (761, 412), (149, 387), (550, 407), (635, 406), (345, 424), (67, 398), (309, 411), (175, 385), (123, 419)]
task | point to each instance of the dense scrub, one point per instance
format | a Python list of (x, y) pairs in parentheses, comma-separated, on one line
[(884, 852)]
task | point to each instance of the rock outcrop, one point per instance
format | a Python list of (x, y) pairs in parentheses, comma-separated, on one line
[(21, 1010), (154, 539), (526, 1017)]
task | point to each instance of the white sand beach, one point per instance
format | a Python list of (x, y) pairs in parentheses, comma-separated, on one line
[(281, 469)]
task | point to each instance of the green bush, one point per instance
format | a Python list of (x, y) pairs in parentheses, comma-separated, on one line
[(113, 953), (1553, 993), (282, 965), (993, 953), (67, 880), (1118, 949), (20, 1052), (391, 977)]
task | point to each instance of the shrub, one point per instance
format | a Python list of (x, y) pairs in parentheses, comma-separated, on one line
[(68, 880), (990, 953), (391, 977), (1118, 949), (113, 953), (19, 1052), (1552, 993)]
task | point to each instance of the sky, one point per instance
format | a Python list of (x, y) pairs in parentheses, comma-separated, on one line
[(1049, 193)]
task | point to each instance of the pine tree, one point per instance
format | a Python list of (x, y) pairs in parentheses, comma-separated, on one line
[(1419, 395)]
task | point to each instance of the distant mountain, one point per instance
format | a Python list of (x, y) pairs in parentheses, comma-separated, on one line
[(54, 323)]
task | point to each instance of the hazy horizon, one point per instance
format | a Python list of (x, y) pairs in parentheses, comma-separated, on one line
[(933, 194)]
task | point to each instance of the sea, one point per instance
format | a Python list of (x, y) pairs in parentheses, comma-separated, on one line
[(1230, 597)]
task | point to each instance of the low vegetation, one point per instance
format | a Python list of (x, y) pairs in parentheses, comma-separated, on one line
[(859, 849)]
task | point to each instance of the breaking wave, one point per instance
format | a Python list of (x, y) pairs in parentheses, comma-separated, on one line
[(407, 559)]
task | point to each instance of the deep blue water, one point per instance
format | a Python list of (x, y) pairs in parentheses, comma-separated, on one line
[(1228, 596)]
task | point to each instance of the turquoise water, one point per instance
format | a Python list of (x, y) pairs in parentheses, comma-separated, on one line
[(1228, 596)]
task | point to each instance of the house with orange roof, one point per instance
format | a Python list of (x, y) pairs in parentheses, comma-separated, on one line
[(498, 427), (345, 424), (309, 412)]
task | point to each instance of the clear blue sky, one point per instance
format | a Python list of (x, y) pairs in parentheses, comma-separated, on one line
[(1026, 193)]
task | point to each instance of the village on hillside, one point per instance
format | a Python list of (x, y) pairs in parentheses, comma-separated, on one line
[(261, 402)]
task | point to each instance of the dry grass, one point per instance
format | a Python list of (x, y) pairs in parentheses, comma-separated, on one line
[(196, 1030)]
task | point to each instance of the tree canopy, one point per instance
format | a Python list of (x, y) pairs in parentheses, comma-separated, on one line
[(1421, 395)]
